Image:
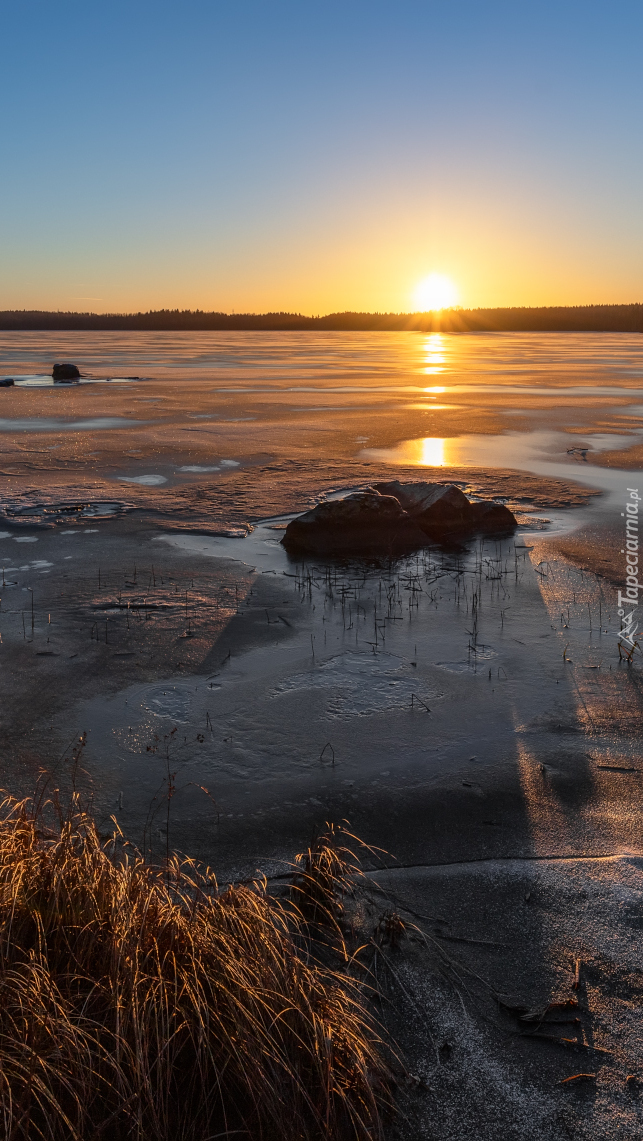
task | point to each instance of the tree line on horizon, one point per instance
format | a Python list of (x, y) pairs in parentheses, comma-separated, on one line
[(561, 318)]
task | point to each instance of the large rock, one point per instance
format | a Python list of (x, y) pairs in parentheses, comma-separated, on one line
[(394, 517), (443, 510), (65, 372), (434, 506), (364, 523), (492, 517)]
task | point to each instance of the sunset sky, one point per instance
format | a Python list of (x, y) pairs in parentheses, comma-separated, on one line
[(315, 157)]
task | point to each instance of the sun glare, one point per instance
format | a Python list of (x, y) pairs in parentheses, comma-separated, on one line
[(435, 292)]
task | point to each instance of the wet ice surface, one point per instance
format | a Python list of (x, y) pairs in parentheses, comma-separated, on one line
[(226, 400), (358, 684), (450, 706), (275, 356), (171, 702), (320, 669), (337, 688)]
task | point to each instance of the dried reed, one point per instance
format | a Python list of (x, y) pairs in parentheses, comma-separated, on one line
[(323, 876), (146, 1003)]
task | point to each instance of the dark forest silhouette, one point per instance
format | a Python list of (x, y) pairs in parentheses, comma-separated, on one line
[(572, 318)]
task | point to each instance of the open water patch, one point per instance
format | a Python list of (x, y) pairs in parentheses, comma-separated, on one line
[(45, 380), (98, 424), (199, 468), (145, 480), (220, 465), (530, 451), (64, 512), (560, 455)]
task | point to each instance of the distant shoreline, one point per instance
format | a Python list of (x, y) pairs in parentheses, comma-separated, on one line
[(572, 318)]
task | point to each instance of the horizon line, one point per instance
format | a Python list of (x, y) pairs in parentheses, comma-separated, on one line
[(612, 318), (416, 313)]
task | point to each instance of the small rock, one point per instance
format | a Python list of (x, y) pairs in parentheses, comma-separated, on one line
[(7, 382), (65, 372)]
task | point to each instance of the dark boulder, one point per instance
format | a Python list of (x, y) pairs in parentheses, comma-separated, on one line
[(65, 372), (391, 518), (7, 382), (394, 517), (492, 517), (434, 506), (442, 509), (364, 523)]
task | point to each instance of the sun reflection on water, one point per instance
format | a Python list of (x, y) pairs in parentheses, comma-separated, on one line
[(428, 452), (433, 452), (435, 356), (429, 407)]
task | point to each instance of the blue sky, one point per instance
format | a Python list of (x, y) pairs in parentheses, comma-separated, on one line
[(298, 156)]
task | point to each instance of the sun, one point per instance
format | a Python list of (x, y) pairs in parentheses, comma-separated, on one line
[(435, 292)]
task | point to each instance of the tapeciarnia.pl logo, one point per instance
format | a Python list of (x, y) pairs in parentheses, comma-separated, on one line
[(630, 597)]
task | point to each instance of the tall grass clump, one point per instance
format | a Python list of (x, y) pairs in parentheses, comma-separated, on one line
[(323, 876), (145, 1003)]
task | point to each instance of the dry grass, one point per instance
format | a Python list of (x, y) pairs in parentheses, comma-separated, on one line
[(323, 876), (144, 1003)]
